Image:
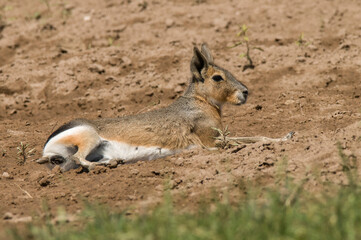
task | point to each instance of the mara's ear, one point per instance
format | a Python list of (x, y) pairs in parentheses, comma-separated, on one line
[(207, 53), (198, 63)]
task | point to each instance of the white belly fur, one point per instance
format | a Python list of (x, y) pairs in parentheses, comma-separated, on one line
[(131, 153)]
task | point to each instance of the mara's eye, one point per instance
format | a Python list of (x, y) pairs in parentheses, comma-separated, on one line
[(217, 78)]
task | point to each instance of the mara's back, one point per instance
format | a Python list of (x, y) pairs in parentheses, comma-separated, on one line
[(184, 123)]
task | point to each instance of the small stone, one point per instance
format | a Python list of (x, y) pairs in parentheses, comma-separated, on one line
[(69, 73), (113, 163), (157, 173), (126, 61), (97, 68), (8, 216), (159, 188), (44, 182), (178, 89), (120, 28), (220, 23), (56, 169), (6, 175), (134, 172), (149, 93), (169, 22), (13, 112), (312, 47), (69, 7), (25, 219), (289, 102), (35, 176), (113, 61), (301, 59)]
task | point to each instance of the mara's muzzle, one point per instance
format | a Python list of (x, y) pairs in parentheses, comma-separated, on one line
[(242, 96)]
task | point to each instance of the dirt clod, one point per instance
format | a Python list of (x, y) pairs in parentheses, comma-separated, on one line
[(44, 182)]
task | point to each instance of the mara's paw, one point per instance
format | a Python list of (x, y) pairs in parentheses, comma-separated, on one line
[(43, 160)]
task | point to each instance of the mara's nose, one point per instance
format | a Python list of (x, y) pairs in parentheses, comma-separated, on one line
[(245, 93)]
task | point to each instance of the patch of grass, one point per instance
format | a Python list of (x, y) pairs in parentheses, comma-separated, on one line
[(244, 39), (222, 141), (24, 153), (110, 41), (286, 211), (301, 41)]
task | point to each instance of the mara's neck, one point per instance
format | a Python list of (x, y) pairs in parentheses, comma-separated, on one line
[(204, 100)]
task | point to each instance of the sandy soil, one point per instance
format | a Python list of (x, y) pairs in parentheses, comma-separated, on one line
[(92, 59)]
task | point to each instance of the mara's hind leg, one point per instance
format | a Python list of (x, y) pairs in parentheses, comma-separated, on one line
[(72, 146), (90, 141)]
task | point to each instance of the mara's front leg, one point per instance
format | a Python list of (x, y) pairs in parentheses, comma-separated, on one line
[(224, 139)]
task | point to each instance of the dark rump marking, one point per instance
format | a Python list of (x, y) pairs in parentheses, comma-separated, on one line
[(95, 154), (65, 127)]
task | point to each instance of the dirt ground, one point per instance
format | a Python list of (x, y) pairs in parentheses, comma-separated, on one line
[(84, 58)]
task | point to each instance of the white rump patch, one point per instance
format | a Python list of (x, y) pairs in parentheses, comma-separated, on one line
[(54, 148), (103, 150)]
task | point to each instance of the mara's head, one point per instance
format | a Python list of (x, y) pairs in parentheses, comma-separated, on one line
[(213, 83)]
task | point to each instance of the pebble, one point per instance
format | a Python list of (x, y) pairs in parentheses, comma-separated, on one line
[(13, 112), (220, 23), (113, 164), (178, 89), (134, 172), (126, 61), (113, 61), (160, 187), (69, 73), (97, 68), (8, 216), (69, 7), (289, 102), (149, 93), (56, 169), (169, 22), (87, 18), (301, 59), (24, 219), (312, 47), (6, 175), (44, 182)]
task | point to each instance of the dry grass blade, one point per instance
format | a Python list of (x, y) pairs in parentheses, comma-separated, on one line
[(24, 191), (223, 139)]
